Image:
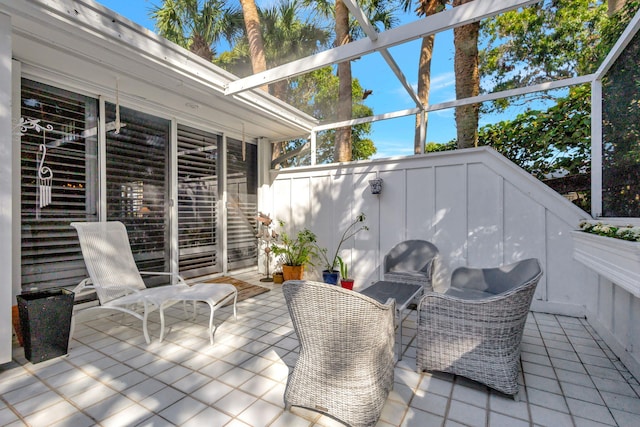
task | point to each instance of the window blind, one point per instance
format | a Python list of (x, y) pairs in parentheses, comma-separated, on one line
[(51, 254), (137, 182), (197, 202)]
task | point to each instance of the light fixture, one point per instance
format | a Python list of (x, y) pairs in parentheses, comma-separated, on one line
[(376, 185)]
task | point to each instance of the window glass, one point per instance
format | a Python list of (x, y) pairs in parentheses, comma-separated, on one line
[(242, 206)]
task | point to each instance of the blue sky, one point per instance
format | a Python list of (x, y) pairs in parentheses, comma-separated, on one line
[(392, 137)]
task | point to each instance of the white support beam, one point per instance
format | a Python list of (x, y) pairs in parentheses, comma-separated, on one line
[(466, 101), (369, 119), (403, 80), (442, 21), (512, 92), (362, 19), (372, 33)]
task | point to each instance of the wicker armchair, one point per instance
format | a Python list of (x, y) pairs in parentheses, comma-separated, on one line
[(475, 328), (346, 361), (411, 261)]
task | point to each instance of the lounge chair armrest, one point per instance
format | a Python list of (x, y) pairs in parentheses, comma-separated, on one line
[(84, 287), (162, 273)]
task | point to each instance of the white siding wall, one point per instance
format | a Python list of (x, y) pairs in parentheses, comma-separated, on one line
[(6, 184), (476, 206)]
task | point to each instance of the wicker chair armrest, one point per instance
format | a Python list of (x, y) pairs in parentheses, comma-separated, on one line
[(512, 303)]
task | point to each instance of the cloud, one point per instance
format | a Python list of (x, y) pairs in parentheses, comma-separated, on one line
[(393, 148), (442, 88), (443, 81)]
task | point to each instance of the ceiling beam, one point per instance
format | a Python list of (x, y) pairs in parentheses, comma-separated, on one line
[(445, 20)]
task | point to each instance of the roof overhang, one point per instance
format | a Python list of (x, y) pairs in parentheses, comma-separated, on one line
[(86, 43)]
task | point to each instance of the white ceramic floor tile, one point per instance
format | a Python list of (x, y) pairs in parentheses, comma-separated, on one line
[(260, 413), (183, 410), (467, 414), (240, 380), (235, 402)]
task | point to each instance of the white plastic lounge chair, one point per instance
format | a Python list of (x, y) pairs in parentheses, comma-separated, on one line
[(114, 276)]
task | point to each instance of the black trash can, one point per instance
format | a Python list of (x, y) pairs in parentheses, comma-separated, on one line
[(45, 320)]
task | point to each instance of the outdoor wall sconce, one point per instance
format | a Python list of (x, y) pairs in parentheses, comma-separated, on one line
[(376, 185)]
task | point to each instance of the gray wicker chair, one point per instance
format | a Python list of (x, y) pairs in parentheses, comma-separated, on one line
[(411, 261), (475, 328), (346, 361)]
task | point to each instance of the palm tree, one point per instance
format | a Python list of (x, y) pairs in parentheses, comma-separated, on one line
[(424, 8), (196, 28), (465, 39), (342, 147), (254, 36), (379, 12)]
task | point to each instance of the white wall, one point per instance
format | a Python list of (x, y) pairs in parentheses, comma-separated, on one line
[(615, 315), (6, 297), (478, 208)]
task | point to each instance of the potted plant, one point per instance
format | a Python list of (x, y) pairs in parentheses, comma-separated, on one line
[(345, 281), (295, 253), (278, 277), (330, 274), (610, 249)]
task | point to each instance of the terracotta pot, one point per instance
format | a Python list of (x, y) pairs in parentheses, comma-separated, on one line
[(347, 284), (293, 272), (278, 278), (15, 319)]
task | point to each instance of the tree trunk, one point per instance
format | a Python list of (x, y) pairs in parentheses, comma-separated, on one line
[(426, 8), (342, 150), (254, 35), (279, 90), (465, 39)]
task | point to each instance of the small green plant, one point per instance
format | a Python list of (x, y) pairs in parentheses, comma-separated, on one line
[(624, 232), (344, 269), (300, 250), (353, 229)]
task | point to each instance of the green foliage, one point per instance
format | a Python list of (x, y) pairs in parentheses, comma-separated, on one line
[(286, 37), (197, 25), (624, 232), (432, 147), (551, 40), (300, 250), (545, 142), (613, 28), (621, 125), (344, 269), (316, 93)]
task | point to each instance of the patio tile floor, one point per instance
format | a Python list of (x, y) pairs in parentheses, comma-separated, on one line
[(111, 377)]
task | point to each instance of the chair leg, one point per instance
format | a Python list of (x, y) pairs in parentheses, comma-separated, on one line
[(144, 326), (235, 300), (161, 309), (211, 328)]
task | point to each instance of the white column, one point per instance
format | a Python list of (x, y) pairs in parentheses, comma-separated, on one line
[(265, 150), (7, 296)]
